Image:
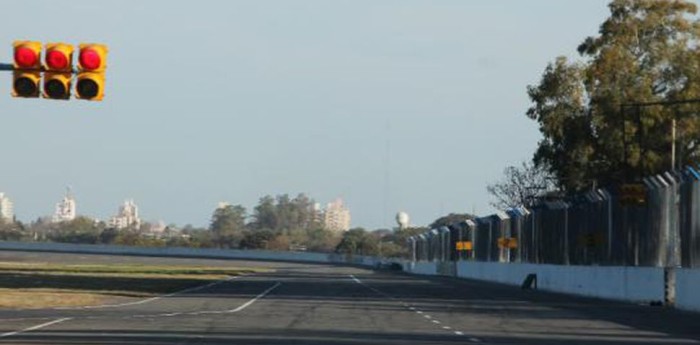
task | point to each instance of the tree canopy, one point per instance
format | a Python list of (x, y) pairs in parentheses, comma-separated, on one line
[(646, 51)]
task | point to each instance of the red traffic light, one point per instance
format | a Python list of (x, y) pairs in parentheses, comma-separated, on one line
[(57, 60), (25, 57), (90, 59)]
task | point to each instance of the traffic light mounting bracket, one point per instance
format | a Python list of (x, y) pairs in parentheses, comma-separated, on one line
[(9, 68)]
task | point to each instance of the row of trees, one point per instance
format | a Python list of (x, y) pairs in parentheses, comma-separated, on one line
[(594, 130), (279, 223)]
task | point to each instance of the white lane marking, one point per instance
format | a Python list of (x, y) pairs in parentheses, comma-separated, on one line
[(474, 340), (208, 312), (408, 306), (261, 295), (151, 299), (34, 328)]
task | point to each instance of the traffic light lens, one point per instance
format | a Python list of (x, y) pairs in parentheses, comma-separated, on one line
[(87, 88), (25, 87), (90, 59), (25, 57), (56, 60), (55, 89)]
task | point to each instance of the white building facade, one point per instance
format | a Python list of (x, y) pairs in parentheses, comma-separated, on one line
[(7, 212), (336, 216), (65, 209), (128, 216)]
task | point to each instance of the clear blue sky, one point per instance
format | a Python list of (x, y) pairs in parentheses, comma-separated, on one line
[(391, 105)]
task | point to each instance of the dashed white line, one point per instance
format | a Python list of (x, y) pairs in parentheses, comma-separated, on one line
[(34, 328), (409, 307)]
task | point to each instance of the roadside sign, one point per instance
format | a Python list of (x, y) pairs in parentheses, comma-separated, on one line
[(463, 245)]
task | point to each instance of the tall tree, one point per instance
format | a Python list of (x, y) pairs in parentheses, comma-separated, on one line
[(521, 186), (646, 51), (228, 225)]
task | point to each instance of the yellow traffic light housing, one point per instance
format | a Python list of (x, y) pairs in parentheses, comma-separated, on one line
[(27, 55), (27, 69), (92, 63), (58, 62), (57, 85), (90, 86), (25, 84)]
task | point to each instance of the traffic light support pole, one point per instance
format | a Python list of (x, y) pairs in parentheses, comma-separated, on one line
[(9, 67)]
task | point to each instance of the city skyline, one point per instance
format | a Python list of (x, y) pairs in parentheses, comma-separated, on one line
[(334, 216)]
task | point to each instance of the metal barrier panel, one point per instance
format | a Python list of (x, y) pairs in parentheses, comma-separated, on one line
[(599, 227), (689, 219), (483, 239)]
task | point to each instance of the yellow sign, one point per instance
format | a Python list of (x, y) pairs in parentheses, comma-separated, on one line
[(463, 245), (633, 194), (508, 242)]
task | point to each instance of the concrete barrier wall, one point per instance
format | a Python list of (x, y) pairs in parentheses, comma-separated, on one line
[(688, 289), (633, 284), (190, 252)]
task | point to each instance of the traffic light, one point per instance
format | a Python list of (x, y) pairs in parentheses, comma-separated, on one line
[(58, 60), (27, 69), (92, 62)]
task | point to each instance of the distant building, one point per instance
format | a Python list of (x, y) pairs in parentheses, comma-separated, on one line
[(336, 217), (65, 209), (158, 228), (7, 212), (128, 216)]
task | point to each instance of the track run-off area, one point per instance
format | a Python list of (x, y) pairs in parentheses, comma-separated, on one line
[(295, 303)]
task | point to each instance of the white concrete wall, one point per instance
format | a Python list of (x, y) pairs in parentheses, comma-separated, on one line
[(190, 252), (633, 284), (688, 289)]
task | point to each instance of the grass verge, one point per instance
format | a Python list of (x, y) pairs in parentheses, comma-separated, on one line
[(43, 285)]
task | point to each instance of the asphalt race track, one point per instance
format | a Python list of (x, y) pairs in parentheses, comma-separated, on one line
[(330, 305)]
